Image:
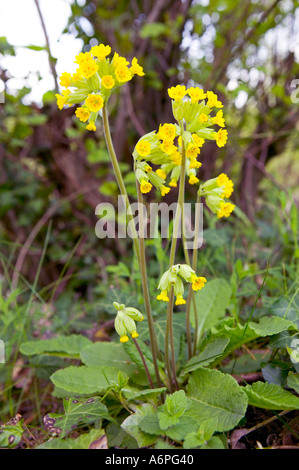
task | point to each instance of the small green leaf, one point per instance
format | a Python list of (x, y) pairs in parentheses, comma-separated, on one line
[(11, 433), (85, 380), (64, 346), (76, 411), (271, 397), (175, 404), (131, 425)]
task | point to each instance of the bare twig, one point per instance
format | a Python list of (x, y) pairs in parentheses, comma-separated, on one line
[(52, 66)]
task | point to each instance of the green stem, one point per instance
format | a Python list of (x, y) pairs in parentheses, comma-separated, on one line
[(137, 244), (191, 293), (176, 224), (119, 179), (146, 295), (144, 363), (167, 335)]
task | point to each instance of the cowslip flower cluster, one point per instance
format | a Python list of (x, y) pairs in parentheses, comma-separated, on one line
[(124, 322), (94, 80), (174, 278), (215, 191), (164, 148)]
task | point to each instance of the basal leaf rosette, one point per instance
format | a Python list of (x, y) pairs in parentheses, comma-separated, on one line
[(195, 109), (174, 277), (95, 78)]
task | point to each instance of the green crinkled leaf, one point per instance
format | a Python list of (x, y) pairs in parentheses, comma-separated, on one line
[(65, 346), (175, 404), (131, 425), (179, 431), (85, 380), (268, 326), (150, 425), (212, 351), (211, 303), (242, 334), (173, 408), (293, 381), (108, 354), (82, 442), (76, 412), (217, 401), (271, 397)]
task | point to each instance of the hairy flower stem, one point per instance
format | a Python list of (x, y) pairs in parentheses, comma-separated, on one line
[(191, 295), (144, 363), (119, 179), (176, 225), (143, 272), (137, 245)]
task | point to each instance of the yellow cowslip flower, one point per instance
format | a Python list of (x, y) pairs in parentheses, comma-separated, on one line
[(145, 186), (88, 68), (143, 148), (224, 181), (218, 119), (136, 69), (161, 173), (180, 300), (124, 339), (164, 190), (100, 51), (62, 99), (198, 282), (203, 118), (221, 137), (83, 57), (193, 179), (198, 141), (194, 164), (196, 94), (225, 209), (177, 93), (94, 102), (108, 82), (76, 77), (213, 100), (163, 296), (168, 147), (173, 183), (148, 168), (192, 151), (82, 113), (134, 334), (65, 79), (123, 73), (176, 158), (91, 126), (119, 60), (167, 132)]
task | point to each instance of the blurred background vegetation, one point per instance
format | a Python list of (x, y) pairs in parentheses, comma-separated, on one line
[(53, 173)]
